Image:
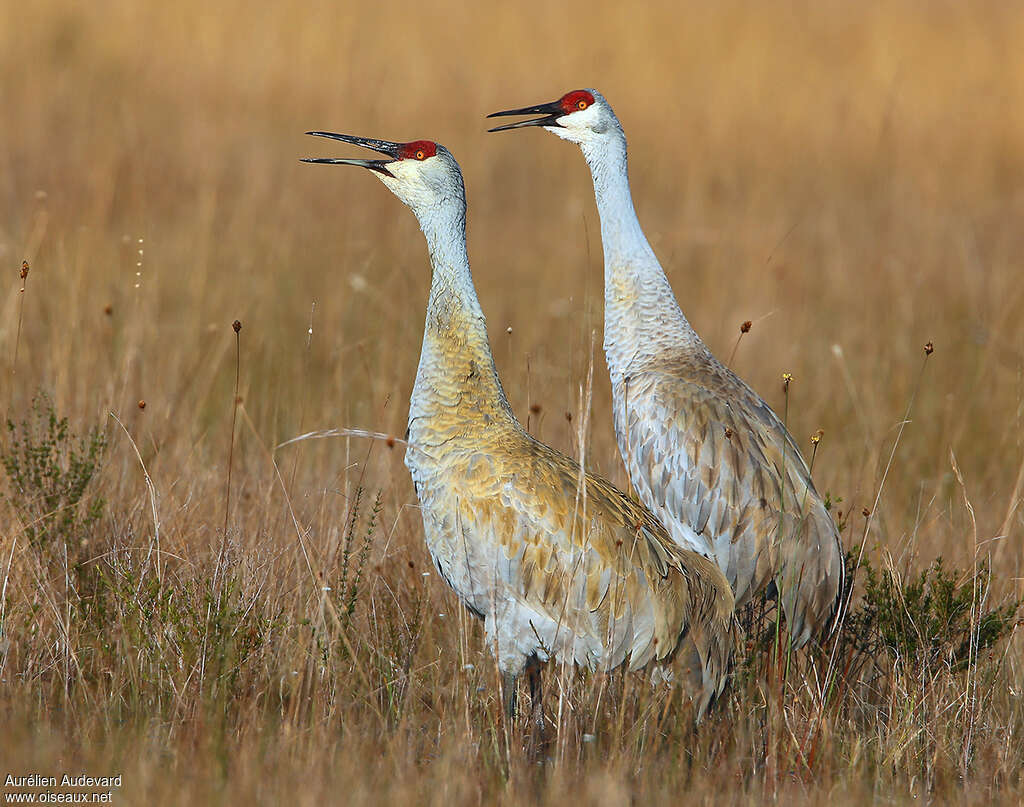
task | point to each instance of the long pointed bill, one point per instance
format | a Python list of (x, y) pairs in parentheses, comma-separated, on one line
[(383, 146), (551, 112)]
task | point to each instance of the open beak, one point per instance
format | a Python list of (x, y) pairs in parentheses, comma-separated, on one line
[(551, 112), (383, 146)]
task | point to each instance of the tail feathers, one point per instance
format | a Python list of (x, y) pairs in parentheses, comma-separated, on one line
[(812, 606), (812, 582), (703, 663)]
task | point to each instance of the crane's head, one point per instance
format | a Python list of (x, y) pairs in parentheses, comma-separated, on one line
[(423, 174), (582, 116)]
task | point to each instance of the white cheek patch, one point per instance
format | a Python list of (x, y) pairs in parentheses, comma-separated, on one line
[(411, 184), (580, 125), (400, 168)]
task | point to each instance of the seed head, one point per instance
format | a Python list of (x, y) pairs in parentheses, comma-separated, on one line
[(865, 512), (535, 408), (108, 309), (568, 416), (786, 378), (236, 325), (390, 441), (142, 404), (24, 269), (816, 437), (728, 433), (746, 326), (929, 348)]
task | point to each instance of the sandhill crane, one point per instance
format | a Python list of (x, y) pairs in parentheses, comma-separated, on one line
[(559, 564), (704, 451)]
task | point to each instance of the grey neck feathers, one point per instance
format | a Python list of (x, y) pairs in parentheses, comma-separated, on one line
[(456, 374), (642, 317)]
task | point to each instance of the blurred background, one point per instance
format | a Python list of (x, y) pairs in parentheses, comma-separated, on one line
[(848, 177)]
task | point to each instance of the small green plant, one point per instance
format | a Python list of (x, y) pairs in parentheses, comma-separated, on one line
[(920, 620), (344, 585), (201, 634), (49, 470), (348, 589), (933, 617)]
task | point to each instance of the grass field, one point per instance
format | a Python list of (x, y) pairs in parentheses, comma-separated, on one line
[(226, 621)]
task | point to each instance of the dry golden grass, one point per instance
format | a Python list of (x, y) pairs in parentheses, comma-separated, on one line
[(848, 177)]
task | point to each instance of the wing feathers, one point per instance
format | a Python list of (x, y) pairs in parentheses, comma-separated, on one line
[(724, 474)]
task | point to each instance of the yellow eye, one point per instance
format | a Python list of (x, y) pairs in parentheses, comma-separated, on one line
[(420, 155), (581, 104)]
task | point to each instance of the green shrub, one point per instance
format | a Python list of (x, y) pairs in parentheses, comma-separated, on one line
[(936, 616), (918, 620), (49, 471)]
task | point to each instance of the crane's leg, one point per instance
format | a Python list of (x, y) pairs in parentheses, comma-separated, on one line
[(509, 663), (508, 694), (538, 739)]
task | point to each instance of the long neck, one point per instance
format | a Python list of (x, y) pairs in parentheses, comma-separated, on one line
[(641, 316), (457, 390)]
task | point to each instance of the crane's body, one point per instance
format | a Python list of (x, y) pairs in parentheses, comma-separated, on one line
[(704, 452), (558, 563)]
